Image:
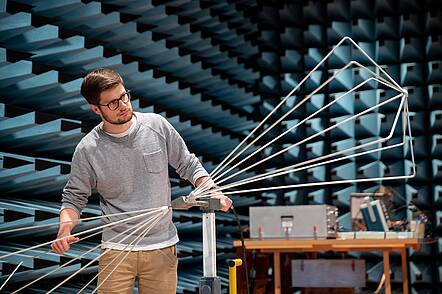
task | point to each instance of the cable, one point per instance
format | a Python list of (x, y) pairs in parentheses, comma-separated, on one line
[(429, 241), (243, 248)]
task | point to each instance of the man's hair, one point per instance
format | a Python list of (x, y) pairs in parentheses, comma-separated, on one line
[(97, 81)]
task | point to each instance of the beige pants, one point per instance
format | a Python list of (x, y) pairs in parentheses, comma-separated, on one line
[(156, 271)]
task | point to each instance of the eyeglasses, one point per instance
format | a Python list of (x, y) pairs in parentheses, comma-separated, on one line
[(114, 104)]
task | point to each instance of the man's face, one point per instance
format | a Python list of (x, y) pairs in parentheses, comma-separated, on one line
[(119, 116)]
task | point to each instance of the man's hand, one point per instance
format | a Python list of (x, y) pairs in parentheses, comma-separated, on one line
[(225, 201), (63, 245), (207, 183), (68, 219)]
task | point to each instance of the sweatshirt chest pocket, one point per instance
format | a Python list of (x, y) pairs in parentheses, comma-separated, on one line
[(155, 161)]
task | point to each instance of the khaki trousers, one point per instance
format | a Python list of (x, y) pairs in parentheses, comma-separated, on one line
[(156, 271)]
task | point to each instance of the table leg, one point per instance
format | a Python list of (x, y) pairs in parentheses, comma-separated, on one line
[(404, 270), (277, 271), (387, 272)]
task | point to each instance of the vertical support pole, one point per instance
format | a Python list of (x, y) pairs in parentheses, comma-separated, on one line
[(209, 283), (209, 244)]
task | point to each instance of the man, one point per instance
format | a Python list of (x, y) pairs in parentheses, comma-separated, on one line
[(126, 159)]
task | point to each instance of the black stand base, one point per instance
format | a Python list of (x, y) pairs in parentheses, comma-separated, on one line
[(210, 285)]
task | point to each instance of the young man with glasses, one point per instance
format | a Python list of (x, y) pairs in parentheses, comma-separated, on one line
[(125, 158)]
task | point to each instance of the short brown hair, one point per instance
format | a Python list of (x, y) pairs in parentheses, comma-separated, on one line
[(97, 81)]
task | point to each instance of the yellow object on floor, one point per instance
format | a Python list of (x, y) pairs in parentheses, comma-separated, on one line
[(232, 274)]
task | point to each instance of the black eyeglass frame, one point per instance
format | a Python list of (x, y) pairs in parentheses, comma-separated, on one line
[(125, 94)]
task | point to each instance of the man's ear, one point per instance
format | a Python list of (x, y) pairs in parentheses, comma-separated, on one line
[(95, 109)]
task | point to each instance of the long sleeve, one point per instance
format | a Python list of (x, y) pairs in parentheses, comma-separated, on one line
[(81, 181), (185, 163)]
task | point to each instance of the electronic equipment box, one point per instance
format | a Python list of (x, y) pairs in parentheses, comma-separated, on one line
[(293, 222), (375, 216)]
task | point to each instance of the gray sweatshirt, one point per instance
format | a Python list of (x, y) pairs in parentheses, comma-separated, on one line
[(131, 173)]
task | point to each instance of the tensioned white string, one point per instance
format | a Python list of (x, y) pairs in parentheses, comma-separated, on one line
[(222, 164), (277, 107), (53, 253), (351, 181), (294, 168), (10, 276), (116, 266), (140, 237), (354, 117), (81, 233), (293, 127), (76, 222), (88, 251)]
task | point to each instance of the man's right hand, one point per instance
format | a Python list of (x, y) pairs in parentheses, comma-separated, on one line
[(60, 246)]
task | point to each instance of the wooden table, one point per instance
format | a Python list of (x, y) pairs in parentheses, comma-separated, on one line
[(276, 247)]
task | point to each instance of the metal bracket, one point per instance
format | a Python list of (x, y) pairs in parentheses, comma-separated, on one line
[(187, 202)]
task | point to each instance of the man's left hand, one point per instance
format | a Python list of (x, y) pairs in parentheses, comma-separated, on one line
[(225, 201)]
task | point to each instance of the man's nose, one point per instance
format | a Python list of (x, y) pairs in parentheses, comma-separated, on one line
[(122, 103)]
